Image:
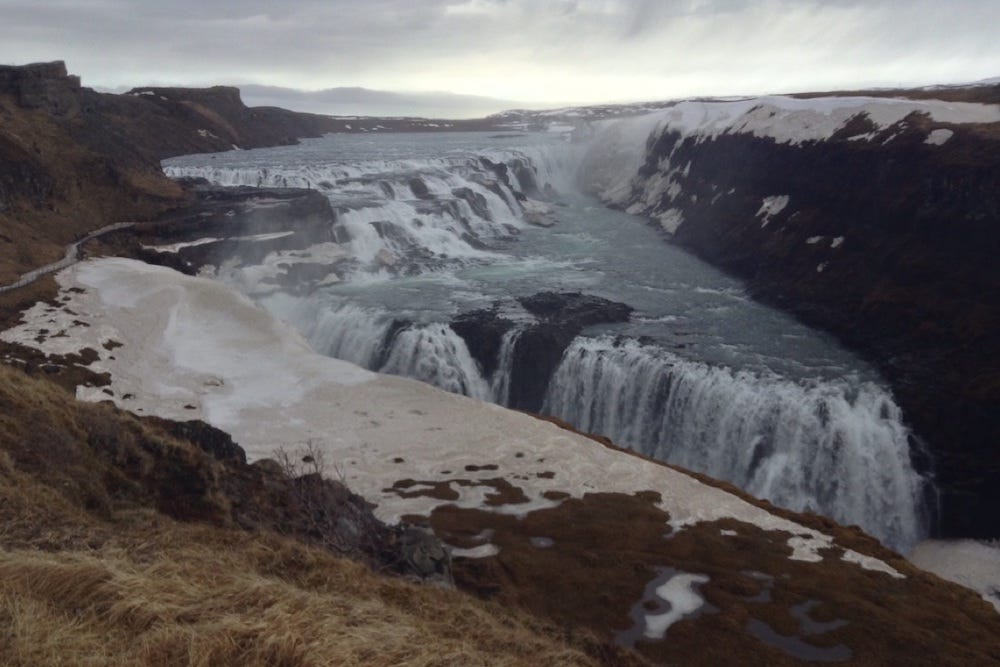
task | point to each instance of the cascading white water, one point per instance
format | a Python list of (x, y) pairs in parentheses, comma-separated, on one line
[(432, 353), (500, 382), (428, 210), (341, 330), (838, 448), (437, 355), (836, 445)]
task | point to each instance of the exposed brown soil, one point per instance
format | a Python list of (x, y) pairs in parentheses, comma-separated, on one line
[(600, 552)]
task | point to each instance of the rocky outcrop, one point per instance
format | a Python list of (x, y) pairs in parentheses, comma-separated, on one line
[(44, 86), (105, 461), (177, 121), (885, 236), (238, 224), (558, 317), (73, 160)]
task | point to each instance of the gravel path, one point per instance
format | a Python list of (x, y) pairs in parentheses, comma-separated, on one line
[(72, 257)]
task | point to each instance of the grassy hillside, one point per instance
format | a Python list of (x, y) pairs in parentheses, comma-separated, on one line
[(96, 568)]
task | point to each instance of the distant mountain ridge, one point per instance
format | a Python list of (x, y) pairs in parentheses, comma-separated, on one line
[(357, 101)]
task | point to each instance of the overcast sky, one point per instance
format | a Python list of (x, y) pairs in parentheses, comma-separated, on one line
[(543, 52)]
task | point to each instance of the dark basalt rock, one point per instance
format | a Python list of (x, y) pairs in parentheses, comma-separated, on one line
[(526, 177), (912, 284), (575, 310), (482, 331), (45, 86), (498, 168), (561, 316), (475, 200), (419, 189), (211, 440)]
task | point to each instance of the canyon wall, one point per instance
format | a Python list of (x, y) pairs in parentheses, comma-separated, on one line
[(73, 160), (876, 220)]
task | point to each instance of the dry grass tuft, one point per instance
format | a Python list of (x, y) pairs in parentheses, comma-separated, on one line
[(200, 596), (93, 573)]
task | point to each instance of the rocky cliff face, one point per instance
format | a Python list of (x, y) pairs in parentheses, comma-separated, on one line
[(557, 319), (178, 121), (882, 227), (72, 160)]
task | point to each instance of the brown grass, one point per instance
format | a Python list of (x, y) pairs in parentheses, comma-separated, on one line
[(199, 596), (91, 573)]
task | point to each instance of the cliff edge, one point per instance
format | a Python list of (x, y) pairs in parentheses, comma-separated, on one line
[(877, 219), (73, 160)]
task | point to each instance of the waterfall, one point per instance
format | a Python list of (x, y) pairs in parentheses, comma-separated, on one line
[(838, 448), (338, 329), (500, 382), (399, 214), (421, 228), (436, 355), (432, 353)]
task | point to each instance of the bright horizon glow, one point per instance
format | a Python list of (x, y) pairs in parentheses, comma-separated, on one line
[(553, 53)]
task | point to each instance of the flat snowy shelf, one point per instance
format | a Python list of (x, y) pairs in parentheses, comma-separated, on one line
[(191, 348)]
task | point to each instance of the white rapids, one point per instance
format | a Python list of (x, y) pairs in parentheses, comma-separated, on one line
[(440, 225)]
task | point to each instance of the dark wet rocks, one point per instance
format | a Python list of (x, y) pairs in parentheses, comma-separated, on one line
[(239, 224), (419, 188), (211, 481), (558, 318), (475, 200), (483, 332)]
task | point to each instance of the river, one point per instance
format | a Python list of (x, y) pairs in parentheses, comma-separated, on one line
[(701, 375)]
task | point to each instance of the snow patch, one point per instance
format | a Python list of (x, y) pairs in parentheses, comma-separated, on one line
[(794, 120), (873, 564), (684, 600), (770, 207), (482, 551), (671, 219), (805, 547), (969, 563), (938, 137)]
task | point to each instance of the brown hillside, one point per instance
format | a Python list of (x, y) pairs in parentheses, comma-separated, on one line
[(96, 568)]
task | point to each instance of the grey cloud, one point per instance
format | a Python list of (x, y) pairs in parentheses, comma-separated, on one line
[(339, 42)]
